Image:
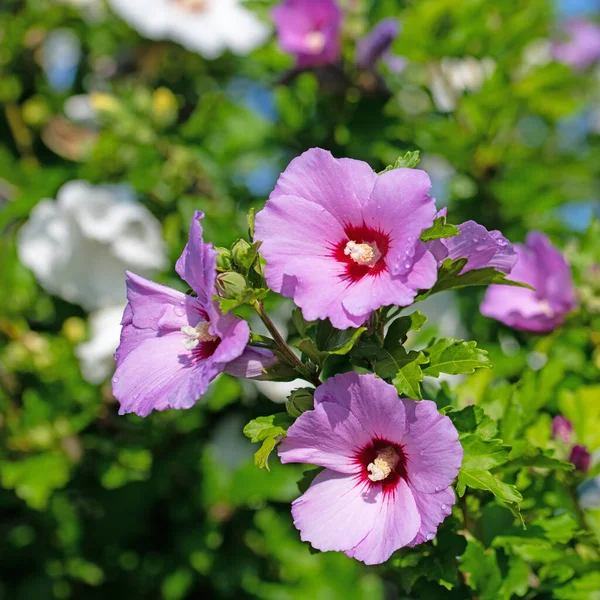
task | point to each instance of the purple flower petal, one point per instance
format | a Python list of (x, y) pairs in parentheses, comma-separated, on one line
[(251, 363), (433, 452), (370, 399), (433, 508), (336, 512), (481, 248), (542, 266), (396, 525), (375, 45), (328, 437), (197, 264)]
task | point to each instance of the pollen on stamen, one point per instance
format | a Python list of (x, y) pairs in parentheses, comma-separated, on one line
[(363, 254), (386, 461), (193, 336)]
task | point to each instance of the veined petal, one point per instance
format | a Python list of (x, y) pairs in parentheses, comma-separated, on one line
[(337, 511)]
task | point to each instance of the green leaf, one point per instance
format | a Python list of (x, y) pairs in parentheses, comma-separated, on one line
[(583, 588), (402, 367), (250, 218), (261, 456), (482, 455), (248, 297), (440, 229), (301, 324), (452, 356), (516, 582), (559, 529), (262, 427), (471, 419), (481, 570), (409, 161), (336, 341), (309, 349), (399, 328), (508, 494), (449, 278), (525, 455)]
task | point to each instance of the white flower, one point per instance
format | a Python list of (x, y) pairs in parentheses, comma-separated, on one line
[(80, 245), (208, 27), (96, 355), (453, 76)]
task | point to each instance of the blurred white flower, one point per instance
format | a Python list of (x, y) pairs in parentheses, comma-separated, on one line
[(451, 77), (278, 391), (96, 355), (60, 56), (207, 27), (80, 245)]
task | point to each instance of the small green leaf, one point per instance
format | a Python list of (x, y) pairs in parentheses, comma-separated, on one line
[(336, 341), (261, 456), (247, 297), (409, 161), (452, 356), (250, 218), (440, 229), (262, 427), (399, 328)]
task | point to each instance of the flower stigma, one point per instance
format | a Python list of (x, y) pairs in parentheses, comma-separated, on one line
[(363, 254), (315, 40), (384, 464), (194, 335)]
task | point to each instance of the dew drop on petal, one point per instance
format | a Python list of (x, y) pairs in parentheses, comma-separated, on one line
[(437, 488), (443, 507), (115, 379), (179, 311), (430, 536)]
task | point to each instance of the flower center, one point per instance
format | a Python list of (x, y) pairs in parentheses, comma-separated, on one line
[(363, 254), (384, 463), (192, 6), (315, 41), (546, 308), (192, 336)]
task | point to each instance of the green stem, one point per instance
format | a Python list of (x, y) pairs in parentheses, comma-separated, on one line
[(282, 346)]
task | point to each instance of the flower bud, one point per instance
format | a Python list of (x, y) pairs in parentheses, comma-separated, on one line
[(300, 401), (562, 429), (243, 254), (581, 458), (230, 285), (223, 258)]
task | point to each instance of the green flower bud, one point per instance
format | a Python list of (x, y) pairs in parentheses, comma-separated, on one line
[(243, 254), (223, 258), (300, 401), (230, 285)]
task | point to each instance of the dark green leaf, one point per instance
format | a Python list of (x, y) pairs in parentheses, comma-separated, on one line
[(401, 326), (481, 570), (481, 454), (336, 341)]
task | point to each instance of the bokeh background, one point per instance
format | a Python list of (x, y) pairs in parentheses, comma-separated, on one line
[(110, 140)]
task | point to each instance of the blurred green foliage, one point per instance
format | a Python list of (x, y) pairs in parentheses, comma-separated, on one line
[(96, 505)]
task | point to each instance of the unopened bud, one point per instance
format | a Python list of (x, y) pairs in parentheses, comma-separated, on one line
[(300, 401), (230, 285), (581, 458), (223, 258), (243, 254)]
